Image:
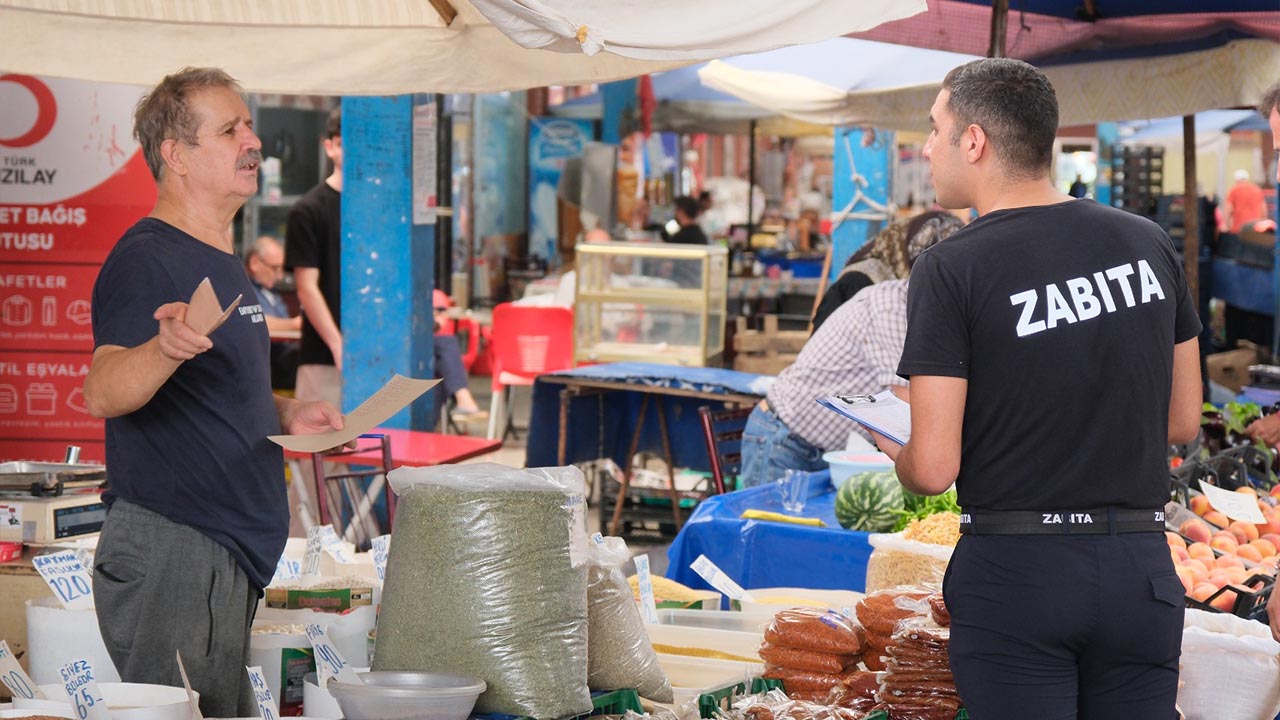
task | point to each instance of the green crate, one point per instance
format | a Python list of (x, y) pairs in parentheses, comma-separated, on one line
[(708, 703), (616, 702)]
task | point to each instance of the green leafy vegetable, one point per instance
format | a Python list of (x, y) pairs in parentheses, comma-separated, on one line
[(916, 507)]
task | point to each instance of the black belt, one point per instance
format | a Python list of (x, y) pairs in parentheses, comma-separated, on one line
[(1061, 522)]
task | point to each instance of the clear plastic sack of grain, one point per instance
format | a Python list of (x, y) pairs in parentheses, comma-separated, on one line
[(620, 654), (487, 576)]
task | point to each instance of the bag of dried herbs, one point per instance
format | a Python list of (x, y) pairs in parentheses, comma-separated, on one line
[(487, 577), (619, 653)]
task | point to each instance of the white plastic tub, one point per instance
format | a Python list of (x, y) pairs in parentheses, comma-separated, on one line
[(56, 636), (713, 620), (317, 702), (691, 677), (407, 696), (766, 602), (126, 701), (732, 642)]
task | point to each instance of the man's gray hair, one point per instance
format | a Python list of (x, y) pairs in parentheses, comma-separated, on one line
[(165, 112), (1270, 101)]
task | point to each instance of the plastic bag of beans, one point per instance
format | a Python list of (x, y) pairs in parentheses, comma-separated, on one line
[(487, 576), (619, 653)]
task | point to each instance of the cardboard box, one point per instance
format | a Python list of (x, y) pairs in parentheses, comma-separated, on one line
[(1231, 368), (328, 599)]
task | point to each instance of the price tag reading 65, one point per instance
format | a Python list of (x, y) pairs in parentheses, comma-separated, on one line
[(82, 689)]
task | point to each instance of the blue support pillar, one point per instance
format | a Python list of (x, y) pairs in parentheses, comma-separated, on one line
[(1108, 133), (387, 261), (874, 162), (617, 98)]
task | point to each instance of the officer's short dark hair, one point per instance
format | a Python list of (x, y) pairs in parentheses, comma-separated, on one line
[(688, 206), (333, 128), (1014, 104)]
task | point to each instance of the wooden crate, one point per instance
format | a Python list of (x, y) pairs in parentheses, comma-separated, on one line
[(766, 351)]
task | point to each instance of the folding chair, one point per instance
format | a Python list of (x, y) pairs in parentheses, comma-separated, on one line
[(723, 432)]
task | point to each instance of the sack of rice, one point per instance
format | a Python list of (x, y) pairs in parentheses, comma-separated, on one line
[(619, 652), (487, 577)]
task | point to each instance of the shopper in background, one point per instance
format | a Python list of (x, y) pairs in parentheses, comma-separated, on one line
[(198, 516), (313, 250), (1052, 353), (689, 232), (265, 264), (1244, 203), (856, 351), (886, 257), (447, 354)]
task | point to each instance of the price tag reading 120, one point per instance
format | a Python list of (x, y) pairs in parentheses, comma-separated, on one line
[(67, 578), (78, 680)]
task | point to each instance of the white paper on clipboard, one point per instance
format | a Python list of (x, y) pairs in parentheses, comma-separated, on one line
[(884, 412)]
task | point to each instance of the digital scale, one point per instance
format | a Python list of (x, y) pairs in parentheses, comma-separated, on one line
[(44, 503)]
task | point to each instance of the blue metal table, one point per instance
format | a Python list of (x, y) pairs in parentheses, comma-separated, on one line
[(761, 553)]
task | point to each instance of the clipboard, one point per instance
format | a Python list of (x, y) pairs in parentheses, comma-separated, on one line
[(883, 412)]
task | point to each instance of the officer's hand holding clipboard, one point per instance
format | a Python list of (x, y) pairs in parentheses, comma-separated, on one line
[(883, 414)]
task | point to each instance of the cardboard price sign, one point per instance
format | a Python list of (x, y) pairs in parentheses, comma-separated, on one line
[(67, 578), (329, 662), (261, 693), (82, 689), (13, 676)]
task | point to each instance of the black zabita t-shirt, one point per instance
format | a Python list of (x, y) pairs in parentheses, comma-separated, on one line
[(1063, 319)]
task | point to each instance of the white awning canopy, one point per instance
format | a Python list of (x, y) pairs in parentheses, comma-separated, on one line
[(340, 47)]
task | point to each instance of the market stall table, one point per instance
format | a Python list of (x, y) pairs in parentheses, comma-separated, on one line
[(763, 553), (569, 422)]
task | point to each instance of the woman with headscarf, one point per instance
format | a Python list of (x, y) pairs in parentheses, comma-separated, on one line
[(885, 257)]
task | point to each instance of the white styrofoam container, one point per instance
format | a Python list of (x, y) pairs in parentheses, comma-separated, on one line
[(56, 636), (733, 642), (691, 677), (126, 701)]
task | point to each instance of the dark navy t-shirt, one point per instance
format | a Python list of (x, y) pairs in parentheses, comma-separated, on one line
[(197, 452), (1063, 320)]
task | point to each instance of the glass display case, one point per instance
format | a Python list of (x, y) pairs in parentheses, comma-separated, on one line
[(650, 302)]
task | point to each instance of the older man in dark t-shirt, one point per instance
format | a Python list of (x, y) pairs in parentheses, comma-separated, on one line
[(198, 516)]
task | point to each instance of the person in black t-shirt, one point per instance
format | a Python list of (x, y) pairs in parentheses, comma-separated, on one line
[(313, 250), (690, 232), (198, 516), (1052, 353)]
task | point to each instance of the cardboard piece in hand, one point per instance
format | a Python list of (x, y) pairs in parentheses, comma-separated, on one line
[(389, 400), (204, 314)]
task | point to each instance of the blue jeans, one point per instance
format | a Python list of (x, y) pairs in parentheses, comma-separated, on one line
[(769, 449)]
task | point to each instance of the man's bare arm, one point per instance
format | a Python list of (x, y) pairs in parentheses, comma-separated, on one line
[(121, 380)]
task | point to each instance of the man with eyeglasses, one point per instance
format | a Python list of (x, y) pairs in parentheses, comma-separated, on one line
[(265, 265)]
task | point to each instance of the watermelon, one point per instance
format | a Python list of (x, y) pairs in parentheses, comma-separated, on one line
[(870, 501)]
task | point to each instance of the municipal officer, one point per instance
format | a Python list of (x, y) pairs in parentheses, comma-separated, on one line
[(1052, 353)]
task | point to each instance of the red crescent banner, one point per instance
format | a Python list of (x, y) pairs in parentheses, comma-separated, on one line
[(78, 189)]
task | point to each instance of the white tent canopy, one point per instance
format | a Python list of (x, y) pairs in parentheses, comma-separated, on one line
[(895, 88), (340, 47)]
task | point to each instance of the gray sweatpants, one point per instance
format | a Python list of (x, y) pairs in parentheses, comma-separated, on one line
[(160, 586)]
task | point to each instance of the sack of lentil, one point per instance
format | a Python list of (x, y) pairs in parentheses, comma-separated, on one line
[(619, 653), (487, 576)]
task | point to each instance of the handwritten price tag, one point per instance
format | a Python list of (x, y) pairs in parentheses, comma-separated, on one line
[(648, 606), (311, 556), (329, 662), (333, 546), (11, 674), (381, 546), (286, 570), (716, 578), (67, 578), (82, 689), (261, 693), (1237, 506)]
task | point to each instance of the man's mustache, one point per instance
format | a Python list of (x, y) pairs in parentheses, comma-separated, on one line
[(252, 157)]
